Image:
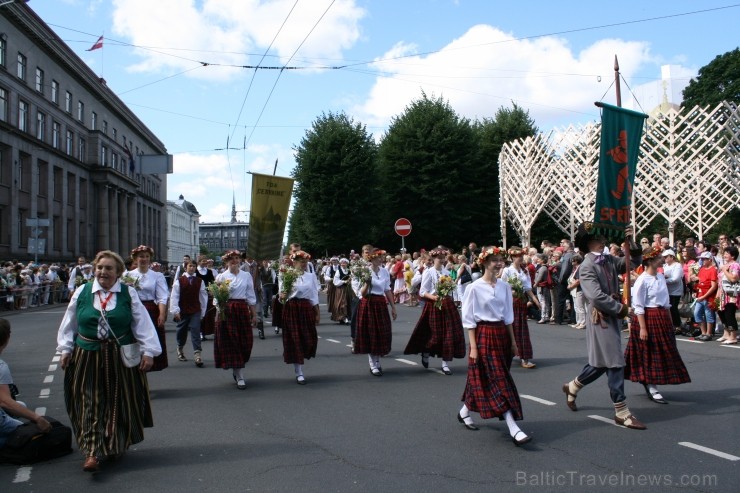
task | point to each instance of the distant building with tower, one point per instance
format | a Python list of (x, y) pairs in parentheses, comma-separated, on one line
[(219, 237)]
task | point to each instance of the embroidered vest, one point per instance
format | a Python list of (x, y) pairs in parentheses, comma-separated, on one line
[(119, 318)]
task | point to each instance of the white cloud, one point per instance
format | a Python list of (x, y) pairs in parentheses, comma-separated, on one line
[(229, 30), (486, 68)]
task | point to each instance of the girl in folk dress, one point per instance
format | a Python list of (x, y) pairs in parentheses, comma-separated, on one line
[(487, 315), (373, 332), (651, 356), (153, 293), (331, 290), (342, 293), (233, 340), (521, 297), (438, 332), (300, 316)]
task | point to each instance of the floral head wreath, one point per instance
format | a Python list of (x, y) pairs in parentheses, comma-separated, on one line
[(300, 255), (651, 253), (375, 254), (231, 254), (487, 252), (439, 251), (142, 248), (515, 252)]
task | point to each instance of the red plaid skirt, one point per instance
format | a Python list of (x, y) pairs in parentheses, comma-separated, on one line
[(331, 292), (299, 331), (232, 345), (208, 323), (438, 332), (373, 334), (160, 362), (655, 361), (521, 329), (277, 312), (342, 299), (490, 390)]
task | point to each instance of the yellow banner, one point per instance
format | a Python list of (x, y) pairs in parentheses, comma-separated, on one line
[(268, 215)]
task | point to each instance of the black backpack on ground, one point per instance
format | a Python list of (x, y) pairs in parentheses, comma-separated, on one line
[(28, 445)]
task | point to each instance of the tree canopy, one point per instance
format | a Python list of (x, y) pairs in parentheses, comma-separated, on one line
[(719, 80)]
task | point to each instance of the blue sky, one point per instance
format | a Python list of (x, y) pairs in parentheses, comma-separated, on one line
[(553, 58)]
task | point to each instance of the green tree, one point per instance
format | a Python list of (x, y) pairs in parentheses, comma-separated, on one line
[(507, 124), (719, 80), (335, 186), (428, 174)]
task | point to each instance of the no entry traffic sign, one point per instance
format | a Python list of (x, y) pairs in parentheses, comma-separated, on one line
[(403, 227)]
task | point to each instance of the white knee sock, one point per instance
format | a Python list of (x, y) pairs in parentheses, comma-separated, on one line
[(238, 373), (465, 415), (513, 427), (444, 364), (298, 369), (371, 360)]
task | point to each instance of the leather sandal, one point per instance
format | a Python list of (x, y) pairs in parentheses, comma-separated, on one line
[(630, 422), (571, 404), (528, 365), (91, 464)]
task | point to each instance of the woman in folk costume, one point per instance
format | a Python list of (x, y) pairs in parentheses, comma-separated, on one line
[(439, 331), (233, 342), (107, 402), (343, 293), (373, 332), (152, 289), (518, 277), (651, 356), (329, 272), (300, 316), (487, 315), (208, 323)]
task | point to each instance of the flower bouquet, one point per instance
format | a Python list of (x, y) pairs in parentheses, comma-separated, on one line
[(288, 276), (360, 270), (220, 292), (517, 288), (131, 281), (444, 287), (79, 281)]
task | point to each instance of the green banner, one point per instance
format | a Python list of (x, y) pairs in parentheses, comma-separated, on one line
[(268, 215), (621, 132)]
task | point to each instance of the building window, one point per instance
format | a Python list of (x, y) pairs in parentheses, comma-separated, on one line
[(71, 188), (56, 133), (43, 171), (55, 92), (68, 102), (21, 72), (115, 132), (114, 161), (58, 183), (105, 129), (3, 105), (40, 126), (103, 156), (81, 149), (93, 121), (83, 193), (23, 116), (81, 111), (70, 142), (3, 51), (39, 80)]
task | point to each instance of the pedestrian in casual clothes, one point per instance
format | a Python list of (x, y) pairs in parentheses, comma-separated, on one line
[(188, 304), (706, 290), (729, 293)]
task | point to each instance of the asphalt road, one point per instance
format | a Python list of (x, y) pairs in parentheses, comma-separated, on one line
[(350, 431)]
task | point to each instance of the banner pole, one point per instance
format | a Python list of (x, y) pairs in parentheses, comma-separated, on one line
[(627, 295)]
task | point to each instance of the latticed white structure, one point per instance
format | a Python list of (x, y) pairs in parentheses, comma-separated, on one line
[(688, 171)]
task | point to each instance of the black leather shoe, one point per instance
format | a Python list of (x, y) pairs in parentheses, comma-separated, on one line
[(652, 397), (446, 371), (521, 441), (261, 333), (425, 362), (469, 427)]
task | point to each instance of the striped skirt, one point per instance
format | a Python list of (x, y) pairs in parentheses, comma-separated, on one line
[(208, 323), (342, 299), (373, 333), (108, 404), (490, 390), (232, 345), (300, 338), (655, 361), (438, 332), (521, 329), (331, 292), (160, 362)]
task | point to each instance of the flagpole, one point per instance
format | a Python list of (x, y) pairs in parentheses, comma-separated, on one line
[(627, 296), (102, 59)]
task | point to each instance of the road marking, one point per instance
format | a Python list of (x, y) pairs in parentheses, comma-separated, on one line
[(41, 411), (334, 340), (44, 393), (23, 474), (49, 379), (56, 359), (689, 340), (406, 361), (52, 368), (732, 346), (349, 345), (537, 399), (605, 420), (436, 371), (709, 451)]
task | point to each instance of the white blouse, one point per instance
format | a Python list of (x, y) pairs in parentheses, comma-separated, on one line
[(339, 275), (429, 280), (241, 287), (649, 292), (381, 282), (141, 323), (522, 274), (152, 286), (485, 303), (306, 287)]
